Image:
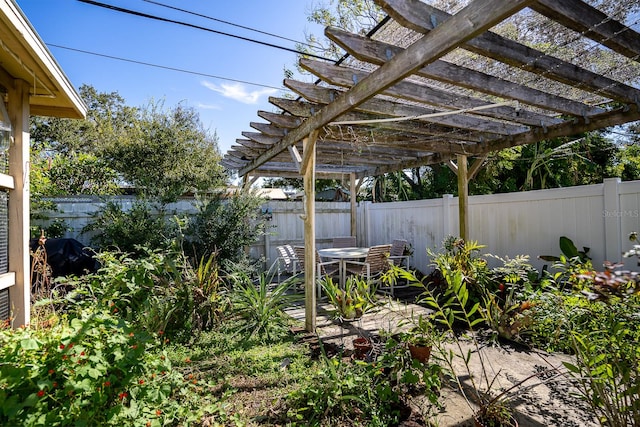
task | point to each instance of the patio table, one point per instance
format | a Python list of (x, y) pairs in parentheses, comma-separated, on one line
[(343, 255)]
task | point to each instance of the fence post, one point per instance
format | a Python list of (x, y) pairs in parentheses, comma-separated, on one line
[(612, 218), (446, 216)]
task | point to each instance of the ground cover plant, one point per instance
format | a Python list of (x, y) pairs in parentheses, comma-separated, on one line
[(151, 339)]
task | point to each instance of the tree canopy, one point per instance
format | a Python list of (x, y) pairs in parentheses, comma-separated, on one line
[(160, 152)]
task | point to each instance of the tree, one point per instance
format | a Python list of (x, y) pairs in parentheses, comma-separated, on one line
[(226, 226), (355, 16), (161, 153), (166, 154)]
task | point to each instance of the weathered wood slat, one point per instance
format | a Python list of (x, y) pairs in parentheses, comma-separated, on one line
[(592, 23), (377, 52), (261, 138), (250, 144), (345, 77), (268, 129), (397, 109), (471, 21), (281, 120), (420, 17), (412, 129)]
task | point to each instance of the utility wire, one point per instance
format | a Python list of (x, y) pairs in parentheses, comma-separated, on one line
[(226, 22), (163, 66), (198, 27)]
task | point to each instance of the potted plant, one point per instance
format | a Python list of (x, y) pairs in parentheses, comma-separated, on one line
[(421, 337), (353, 301), (361, 347)]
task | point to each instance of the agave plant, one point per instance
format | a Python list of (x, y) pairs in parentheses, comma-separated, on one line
[(260, 305)]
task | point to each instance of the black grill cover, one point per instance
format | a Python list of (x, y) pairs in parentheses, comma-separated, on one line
[(67, 257)]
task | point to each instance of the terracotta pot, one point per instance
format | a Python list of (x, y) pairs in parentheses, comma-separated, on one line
[(479, 423), (420, 352), (361, 346)]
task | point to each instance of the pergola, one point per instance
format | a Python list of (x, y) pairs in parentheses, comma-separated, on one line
[(423, 100)]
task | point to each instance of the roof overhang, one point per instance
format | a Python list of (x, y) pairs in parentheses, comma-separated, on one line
[(24, 56)]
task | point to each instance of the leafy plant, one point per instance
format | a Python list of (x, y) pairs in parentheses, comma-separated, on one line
[(607, 366), (423, 332), (113, 227), (611, 283), (357, 297), (569, 250), (463, 256), (92, 370), (453, 308), (404, 375), (226, 226), (261, 306), (210, 299), (156, 291), (361, 393), (607, 371)]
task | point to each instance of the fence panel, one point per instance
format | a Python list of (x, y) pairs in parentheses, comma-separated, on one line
[(599, 216)]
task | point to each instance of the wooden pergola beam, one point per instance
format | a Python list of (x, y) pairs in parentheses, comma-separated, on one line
[(589, 21), (377, 52), (345, 76), (577, 126), (421, 17), (397, 109)]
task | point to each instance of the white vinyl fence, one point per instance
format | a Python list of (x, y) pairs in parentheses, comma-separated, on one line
[(598, 216)]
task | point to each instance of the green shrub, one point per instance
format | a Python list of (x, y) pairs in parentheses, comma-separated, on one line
[(599, 322), (341, 393), (362, 393), (93, 370), (127, 231), (157, 291), (607, 368), (226, 226)]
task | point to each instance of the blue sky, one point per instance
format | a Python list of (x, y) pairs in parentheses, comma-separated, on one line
[(225, 106)]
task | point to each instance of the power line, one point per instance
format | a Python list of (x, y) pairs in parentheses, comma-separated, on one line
[(181, 70), (227, 22), (198, 27)]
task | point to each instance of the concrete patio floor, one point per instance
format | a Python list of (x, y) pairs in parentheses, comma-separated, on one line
[(538, 402)]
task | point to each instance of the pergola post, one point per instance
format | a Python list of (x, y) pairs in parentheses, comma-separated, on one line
[(463, 195), (308, 170), (352, 199)]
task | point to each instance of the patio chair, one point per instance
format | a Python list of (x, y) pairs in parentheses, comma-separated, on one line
[(323, 268), (374, 264), (344, 242), (286, 262), (397, 257)]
